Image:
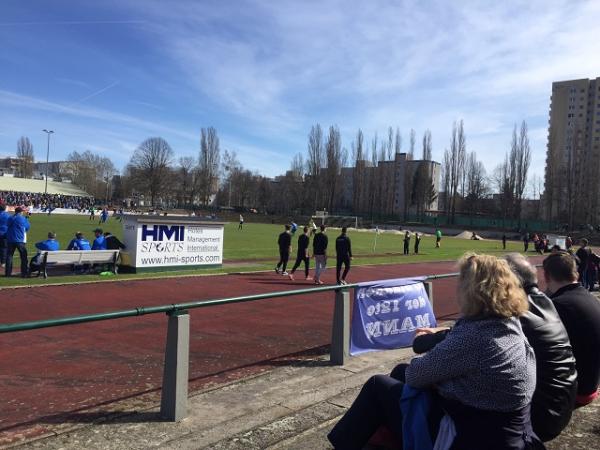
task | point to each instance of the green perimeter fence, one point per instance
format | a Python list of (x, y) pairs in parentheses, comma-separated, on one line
[(176, 364)]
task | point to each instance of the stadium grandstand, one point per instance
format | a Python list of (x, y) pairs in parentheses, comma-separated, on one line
[(30, 193)]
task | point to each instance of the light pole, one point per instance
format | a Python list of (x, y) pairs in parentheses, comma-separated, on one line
[(48, 133)]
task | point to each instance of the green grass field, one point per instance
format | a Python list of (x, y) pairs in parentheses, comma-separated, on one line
[(253, 248)]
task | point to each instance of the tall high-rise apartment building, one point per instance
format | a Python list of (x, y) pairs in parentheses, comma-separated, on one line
[(572, 182)]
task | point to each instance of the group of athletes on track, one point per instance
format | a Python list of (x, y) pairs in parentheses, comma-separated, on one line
[(343, 251)]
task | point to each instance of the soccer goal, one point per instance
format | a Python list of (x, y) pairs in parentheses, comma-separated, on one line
[(321, 217)]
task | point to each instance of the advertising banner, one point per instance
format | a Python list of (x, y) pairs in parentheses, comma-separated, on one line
[(387, 313), (172, 242)]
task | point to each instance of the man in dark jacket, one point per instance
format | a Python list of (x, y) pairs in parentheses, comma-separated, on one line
[(113, 242), (320, 242), (302, 256), (580, 313), (556, 375), (583, 253), (285, 247), (406, 242), (343, 251), (16, 235)]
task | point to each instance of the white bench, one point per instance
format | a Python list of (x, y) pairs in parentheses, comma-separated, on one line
[(78, 257)]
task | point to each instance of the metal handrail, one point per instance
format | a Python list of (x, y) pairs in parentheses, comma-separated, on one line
[(175, 307)]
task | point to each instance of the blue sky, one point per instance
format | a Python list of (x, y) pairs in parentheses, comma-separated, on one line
[(106, 75)]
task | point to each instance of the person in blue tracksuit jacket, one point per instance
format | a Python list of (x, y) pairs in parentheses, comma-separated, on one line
[(79, 243), (16, 236), (100, 241), (50, 244), (4, 216)]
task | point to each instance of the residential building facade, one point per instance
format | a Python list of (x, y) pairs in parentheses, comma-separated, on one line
[(572, 191)]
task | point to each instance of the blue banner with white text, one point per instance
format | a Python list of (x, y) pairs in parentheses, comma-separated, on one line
[(387, 313)]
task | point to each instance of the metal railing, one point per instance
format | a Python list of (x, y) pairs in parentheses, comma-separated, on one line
[(176, 365)]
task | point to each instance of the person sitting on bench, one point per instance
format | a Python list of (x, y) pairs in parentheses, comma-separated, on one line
[(50, 244)]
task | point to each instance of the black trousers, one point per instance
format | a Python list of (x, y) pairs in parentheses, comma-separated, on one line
[(378, 403), (20, 246), (284, 256), (406, 246), (417, 247), (299, 259), (3, 249), (338, 267)]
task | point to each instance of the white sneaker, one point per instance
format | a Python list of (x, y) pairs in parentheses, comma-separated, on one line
[(285, 274), (277, 270)]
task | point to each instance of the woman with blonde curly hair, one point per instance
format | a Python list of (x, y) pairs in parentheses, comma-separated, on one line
[(482, 374)]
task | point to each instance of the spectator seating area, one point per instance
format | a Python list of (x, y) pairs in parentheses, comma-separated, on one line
[(44, 201)]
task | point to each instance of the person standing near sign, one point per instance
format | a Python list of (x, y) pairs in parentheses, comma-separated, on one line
[(320, 242), (302, 256), (285, 248), (343, 251), (406, 242)]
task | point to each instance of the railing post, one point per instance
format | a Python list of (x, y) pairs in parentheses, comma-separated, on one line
[(429, 289), (173, 403), (340, 330)]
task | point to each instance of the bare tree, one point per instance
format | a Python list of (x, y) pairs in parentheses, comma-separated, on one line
[(25, 156), (91, 172), (333, 154), (359, 172), (186, 178), (315, 163), (210, 153), (426, 146), (423, 191), (446, 180), (398, 141), (298, 165), (457, 158), (523, 159), (413, 142), (477, 187), (150, 166)]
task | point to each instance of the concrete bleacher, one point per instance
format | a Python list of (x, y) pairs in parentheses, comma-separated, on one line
[(30, 185), (292, 406)]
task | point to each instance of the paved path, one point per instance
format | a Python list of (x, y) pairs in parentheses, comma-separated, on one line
[(50, 375)]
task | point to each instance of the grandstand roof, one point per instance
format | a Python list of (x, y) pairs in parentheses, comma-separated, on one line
[(28, 185)]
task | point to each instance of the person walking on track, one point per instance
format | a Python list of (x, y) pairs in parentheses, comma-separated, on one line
[(303, 255), (320, 242), (285, 247), (343, 251)]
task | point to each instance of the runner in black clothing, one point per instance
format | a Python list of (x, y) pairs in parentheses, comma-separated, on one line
[(303, 241), (285, 247), (406, 242), (343, 250)]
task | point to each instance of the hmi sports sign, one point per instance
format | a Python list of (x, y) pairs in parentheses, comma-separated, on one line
[(154, 243)]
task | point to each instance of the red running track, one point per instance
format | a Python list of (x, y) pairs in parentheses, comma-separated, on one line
[(50, 376)]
